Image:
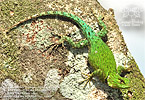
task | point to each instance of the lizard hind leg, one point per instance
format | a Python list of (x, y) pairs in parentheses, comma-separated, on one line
[(63, 38), (70, 41), (54, 45)]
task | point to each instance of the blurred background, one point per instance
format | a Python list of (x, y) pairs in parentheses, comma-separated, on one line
[(129, 15)]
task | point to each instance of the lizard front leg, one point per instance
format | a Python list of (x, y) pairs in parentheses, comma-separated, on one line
[(97, 72), (121, 69)]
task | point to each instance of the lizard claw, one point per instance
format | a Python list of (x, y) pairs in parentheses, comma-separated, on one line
[(53, 46), (58, 35), (88, 79), (61, 41)]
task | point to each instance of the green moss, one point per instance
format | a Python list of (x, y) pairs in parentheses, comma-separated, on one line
[(137, 82), (9, 50), (21, 9), (9, 53)]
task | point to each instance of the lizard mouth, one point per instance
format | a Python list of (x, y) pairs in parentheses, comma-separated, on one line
[(116, 81)]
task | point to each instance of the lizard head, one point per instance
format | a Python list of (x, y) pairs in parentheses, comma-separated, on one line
[(116, 81)]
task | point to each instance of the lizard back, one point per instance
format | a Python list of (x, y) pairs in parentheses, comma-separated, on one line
[(101, 57)]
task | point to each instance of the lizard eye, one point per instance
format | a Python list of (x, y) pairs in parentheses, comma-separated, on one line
[(121, 81)]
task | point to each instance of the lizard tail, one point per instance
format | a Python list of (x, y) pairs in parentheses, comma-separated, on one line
[(86, 29), (70, 16)]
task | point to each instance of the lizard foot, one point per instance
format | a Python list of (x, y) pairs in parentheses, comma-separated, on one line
[(54, 46), (88, 79)]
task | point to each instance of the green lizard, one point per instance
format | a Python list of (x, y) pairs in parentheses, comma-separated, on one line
[(100, 57)]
